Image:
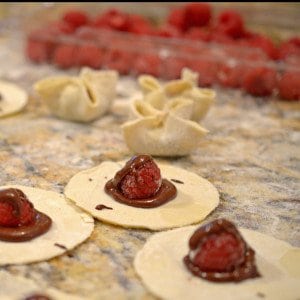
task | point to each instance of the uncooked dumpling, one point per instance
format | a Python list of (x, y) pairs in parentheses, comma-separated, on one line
[(12, 98), (83, 98), (165, 121)]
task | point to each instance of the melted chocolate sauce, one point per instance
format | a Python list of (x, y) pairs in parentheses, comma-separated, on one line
[(247, 269), (166, 192), (102, 206), (39, 226), (37, 297)]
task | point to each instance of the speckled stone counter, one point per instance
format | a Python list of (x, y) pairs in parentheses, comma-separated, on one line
[(251, 155)]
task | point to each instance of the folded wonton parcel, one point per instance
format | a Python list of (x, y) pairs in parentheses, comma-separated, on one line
[(83, 98), (165, 121)]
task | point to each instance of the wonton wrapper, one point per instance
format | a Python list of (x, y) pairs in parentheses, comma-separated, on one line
[(18, 288), (165, 121), (162, 136), (196, 198), (83, 98), (160, 266), (13, 99), (70, 227)]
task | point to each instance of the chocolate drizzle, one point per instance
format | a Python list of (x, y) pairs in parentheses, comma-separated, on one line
[(38, 297), (246, 269), (166, 192), (21, 233), (102, 206)]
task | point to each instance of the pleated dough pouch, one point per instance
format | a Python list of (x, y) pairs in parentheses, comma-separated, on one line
[(158, 95), (83, 98), (162, 270), (12, 98)]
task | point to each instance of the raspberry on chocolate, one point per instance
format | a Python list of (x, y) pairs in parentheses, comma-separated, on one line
[(139, 183), (219, 253), (15, 209), (142, 180)]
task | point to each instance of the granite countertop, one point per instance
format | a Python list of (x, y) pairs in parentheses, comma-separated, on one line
[(251, 155)]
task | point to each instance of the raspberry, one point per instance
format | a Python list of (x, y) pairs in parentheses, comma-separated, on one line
[(148, 64), (207, 67), (36, 51), (118, 60), (113, 19), (219, 253), (139, 25), (231, 24), (176, 18), (168, 31), (15, 209), (89, 55), (61, 27), (265, 44), (198, 34), (197, 14), (231, 76), (260, 81), (65, 56), (290, 48), (289, 85), (141, 182), (40, 45), (172, 67), (76, 18)]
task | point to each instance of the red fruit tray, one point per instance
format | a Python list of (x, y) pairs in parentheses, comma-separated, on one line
[(222, 56)]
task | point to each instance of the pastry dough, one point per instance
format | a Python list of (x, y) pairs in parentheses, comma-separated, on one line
[(12, 98), (83, 98), (70, 227), (17, 288), (196, 198), (165, 121), (160, 266)]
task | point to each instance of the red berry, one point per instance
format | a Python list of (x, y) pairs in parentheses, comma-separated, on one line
[(142, 182), (148, 64), (36, 51), (172, 67), (207, 67), (198, 34), (290, 48), (76, 18), (61, 27), (65, 56), (89, 55), (260, 81), (289, 85), (9, 216), (168, 31), (118, 60), (231, 76), (197, 14), (40, 45), (230, 23), (219, 253), (176, 18), (265, 44)]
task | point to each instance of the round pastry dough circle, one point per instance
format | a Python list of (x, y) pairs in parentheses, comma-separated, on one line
[(160, 266), (70, 227), (196, 198), (17, 287), (13, 99)]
